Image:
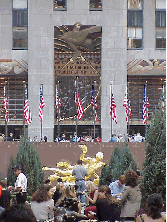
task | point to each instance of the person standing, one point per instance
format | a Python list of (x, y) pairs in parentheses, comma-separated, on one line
[(131, 197), (20, 188), (80, 172)]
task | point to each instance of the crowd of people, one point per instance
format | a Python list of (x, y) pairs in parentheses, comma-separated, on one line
[(119, 200), (86, 138)]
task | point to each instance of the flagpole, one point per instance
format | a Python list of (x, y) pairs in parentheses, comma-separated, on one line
[(23, 108), (162, 98), (111, 92), (146, 107), (42, 108), (94, 111), (128, 106), (58, 125), (77, 109), (6, 129)]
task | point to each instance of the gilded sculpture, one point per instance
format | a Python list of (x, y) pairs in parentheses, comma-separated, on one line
[(63, 170)]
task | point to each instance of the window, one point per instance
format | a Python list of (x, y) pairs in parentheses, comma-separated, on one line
[(20, 24), (160, 24), (20, 38), (161, 4), (59, 5), (135, 24), (95, 5), (20, 18), (20, 4)]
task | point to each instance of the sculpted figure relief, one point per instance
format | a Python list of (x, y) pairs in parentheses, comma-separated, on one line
[(64, 169), (78, 37)]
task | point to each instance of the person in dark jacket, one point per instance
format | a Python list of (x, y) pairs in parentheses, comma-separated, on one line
[(5, 198), (108, 208), (59, 192)]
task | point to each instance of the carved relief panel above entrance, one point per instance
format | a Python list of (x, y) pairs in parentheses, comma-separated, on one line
[(77, 50)]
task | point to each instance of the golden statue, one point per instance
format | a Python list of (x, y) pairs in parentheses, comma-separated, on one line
[(64, 169)]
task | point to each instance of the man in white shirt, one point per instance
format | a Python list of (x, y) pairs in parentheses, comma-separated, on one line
[(20, 185)]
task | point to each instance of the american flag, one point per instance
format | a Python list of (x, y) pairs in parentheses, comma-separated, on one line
[(80, 108), (41, 105), (27, 113), (92, 97), (125, 104), (145, 106), (5, 106), (95, 110), (113, 108), (58, 104)]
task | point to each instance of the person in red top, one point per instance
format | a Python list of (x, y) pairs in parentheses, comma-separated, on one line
[(0, 190), (91, 198)]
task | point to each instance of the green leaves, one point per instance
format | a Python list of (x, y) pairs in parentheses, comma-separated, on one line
[(154, 167), (30, 162), (121, 161)]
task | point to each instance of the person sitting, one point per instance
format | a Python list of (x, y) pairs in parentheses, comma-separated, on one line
[(59, 192), (42, 203), (131, 196), (69, 201), (154, 206), (108, 208), (18, 213), (5, 198), (91, 198)]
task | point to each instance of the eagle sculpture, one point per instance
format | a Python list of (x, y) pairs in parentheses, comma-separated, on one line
[(78, 37)]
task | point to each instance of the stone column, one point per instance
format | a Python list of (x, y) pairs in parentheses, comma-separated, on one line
[(114, 66)]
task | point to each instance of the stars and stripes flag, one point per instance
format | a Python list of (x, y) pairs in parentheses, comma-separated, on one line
[(41, 104), (80, 108), (27, 113), (125, 104), (5, 106), (58, 104), (113, 107), (78, 103), (95, 110), (94, 104), (145, 106)]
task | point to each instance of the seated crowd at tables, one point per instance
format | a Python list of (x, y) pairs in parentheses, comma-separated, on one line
[(118, 201)]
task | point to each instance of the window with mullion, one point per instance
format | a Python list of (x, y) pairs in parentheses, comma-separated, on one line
[(135, 18), (20, 18), (160, 24), (95, 5), (60, 5), (160, 19)]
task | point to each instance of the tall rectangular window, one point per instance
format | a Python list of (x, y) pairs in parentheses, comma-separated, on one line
[(20, 24), (135, 24), (60, 5), (95, 5), (160, 24)]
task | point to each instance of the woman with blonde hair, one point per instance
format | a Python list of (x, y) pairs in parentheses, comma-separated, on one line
[(42, 203), (131, 196), (91, 198)]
